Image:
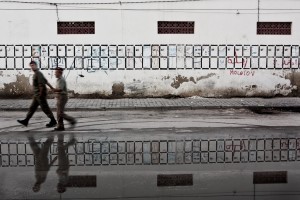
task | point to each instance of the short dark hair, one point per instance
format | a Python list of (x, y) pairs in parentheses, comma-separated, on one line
[(32, 63), (59, 69)]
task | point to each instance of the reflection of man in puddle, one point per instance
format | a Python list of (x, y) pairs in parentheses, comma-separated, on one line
[(63, 163), (42, 165)]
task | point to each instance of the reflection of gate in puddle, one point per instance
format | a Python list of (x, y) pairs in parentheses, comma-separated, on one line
[(96, 152)]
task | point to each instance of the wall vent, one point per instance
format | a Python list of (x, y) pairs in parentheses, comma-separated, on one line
[(176, 27), (75, 27), (274, 28)]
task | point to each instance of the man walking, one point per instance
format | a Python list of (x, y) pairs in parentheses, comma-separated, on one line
[(40, 97), (62, 98)]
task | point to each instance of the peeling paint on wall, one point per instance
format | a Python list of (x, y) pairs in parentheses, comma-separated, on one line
[(178, 80), (205, 77), (179, 83), (21, 87), (282, 90), (294, 77)]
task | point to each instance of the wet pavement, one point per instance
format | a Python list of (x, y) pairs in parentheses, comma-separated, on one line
[(182, 154)]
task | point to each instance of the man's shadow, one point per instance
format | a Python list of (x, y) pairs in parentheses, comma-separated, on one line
[(63, 162), (42, 165)]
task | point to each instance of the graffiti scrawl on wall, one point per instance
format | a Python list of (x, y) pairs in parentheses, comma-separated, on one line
[(153, 57)]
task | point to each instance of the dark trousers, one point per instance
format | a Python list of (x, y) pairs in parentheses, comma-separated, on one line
[(61, 103), (39, 101), (42, 165)]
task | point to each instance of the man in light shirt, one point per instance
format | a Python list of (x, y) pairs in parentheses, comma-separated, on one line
[(62, 98)]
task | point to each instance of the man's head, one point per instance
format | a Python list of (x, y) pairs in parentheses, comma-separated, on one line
[(33, 65), (61, 188), (58, 72)]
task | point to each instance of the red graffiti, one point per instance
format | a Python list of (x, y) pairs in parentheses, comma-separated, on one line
[(242, 72), (236, 60), (286, 63)]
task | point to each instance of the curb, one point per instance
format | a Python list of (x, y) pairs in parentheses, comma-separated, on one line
[(165, 108)]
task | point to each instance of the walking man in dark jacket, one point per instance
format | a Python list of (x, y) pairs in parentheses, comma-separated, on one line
[(42, 165), (40, 97)]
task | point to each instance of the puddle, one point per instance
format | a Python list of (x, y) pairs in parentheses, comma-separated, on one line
[(217, 165)]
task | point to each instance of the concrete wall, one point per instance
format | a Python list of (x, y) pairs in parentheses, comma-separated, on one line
[(127, 57)]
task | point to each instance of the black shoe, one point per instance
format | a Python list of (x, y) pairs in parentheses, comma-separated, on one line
[(59, 129), (73, 123), (52, 123), (23, 122)]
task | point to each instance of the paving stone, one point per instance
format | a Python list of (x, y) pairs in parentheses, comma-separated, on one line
[(159, 103)]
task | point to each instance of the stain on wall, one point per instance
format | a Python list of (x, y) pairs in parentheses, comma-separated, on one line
[(209, 84), (205, 77), (166, 77), (118, 90), (282, 89), (163, 84), (178, 80), (137, 88), (294, 77), (21, 87)]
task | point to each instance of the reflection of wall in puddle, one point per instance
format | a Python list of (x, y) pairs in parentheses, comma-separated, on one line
[(96, 152)]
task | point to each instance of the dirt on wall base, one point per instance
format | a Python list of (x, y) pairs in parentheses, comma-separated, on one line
[(294, 77), (21, 88)]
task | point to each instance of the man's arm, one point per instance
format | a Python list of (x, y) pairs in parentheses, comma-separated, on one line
[(50, 86), (58, 89)]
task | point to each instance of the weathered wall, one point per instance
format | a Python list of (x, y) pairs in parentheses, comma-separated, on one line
[(127, 58), (215, 83)]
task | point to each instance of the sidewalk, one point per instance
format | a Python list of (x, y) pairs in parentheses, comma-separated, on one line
[(286, 103)]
